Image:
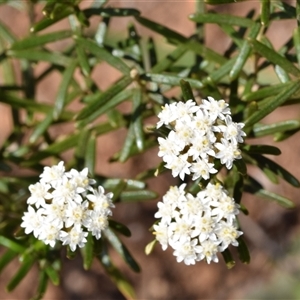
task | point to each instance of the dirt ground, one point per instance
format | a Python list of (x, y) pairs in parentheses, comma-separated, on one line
[(269, 229)]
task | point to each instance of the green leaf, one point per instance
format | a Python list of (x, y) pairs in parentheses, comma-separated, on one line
[(52, 273), (91, 111), (175, 37), (90, 154), (27, 263), (88, 252), (241, 166), (261, 149), (121, 249), (221, 19), (103, 54), (133, 196), (265, 92), (40, 40), (265, 10), (42, 286), (230, 263), (281, 200), (275, 58), (273, 103), (112, 12), (128, 145), (275, 128), (40, 55), (112, 183), (10, 244), (296, 37), (53, 149), (172, 80), (265, 163), (41, 128), (43, 24), (67, 76), (6, 34), (81, 149), (169, 60), (238, 187), (6, 258), (116, 226), (186, 90), (244, 53), (118, 189), (243, 251), (83, 60), (116, 276), (137, 119)]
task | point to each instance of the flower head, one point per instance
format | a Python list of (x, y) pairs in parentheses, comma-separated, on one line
[(63, 206)]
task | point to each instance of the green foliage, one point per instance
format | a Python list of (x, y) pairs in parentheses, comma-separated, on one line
[(144, 81)]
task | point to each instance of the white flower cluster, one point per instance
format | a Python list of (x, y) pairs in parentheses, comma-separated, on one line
[(64, 207), (198, 135), (198, 227)]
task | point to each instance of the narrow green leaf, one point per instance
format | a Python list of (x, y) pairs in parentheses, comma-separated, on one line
[(221, 19), (244, 53), (91, 111), (54, 149), (6, 258), (175, 37), (43, 24), (238, 187), (282, 75), (10, 244), (261, 149), (137, 119), (118, 189), (112, 12), (283, 201), (63, 89), (83, 61), (26, 265), (275, 58), (53, 275), (121, 249), (263, 130), (281, 136), (265, 8), (265, 92), (119, 228), (110, 184), (42, 286), (133, 196), (265, 163), (241, 166), (90, 154), (186, 90), (274, 103), (115, 275), (41, 128), (296, 37), (172, 80), (31, 105), (39, 55), (103, 54), (128, 145), (169, 60), (6, 34), (88, 252), (243, 251), (230, 263), (40, 40)]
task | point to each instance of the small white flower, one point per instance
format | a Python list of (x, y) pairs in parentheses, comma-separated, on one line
[(202, 169), (32, 221), (209, 251), (161, 234), (228, 152), (75, 237), (187, 251), (53, 175), (39, 194), (179, 166), (216, 109)]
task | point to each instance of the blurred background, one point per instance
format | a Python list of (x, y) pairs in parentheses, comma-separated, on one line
[(272, 232)]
